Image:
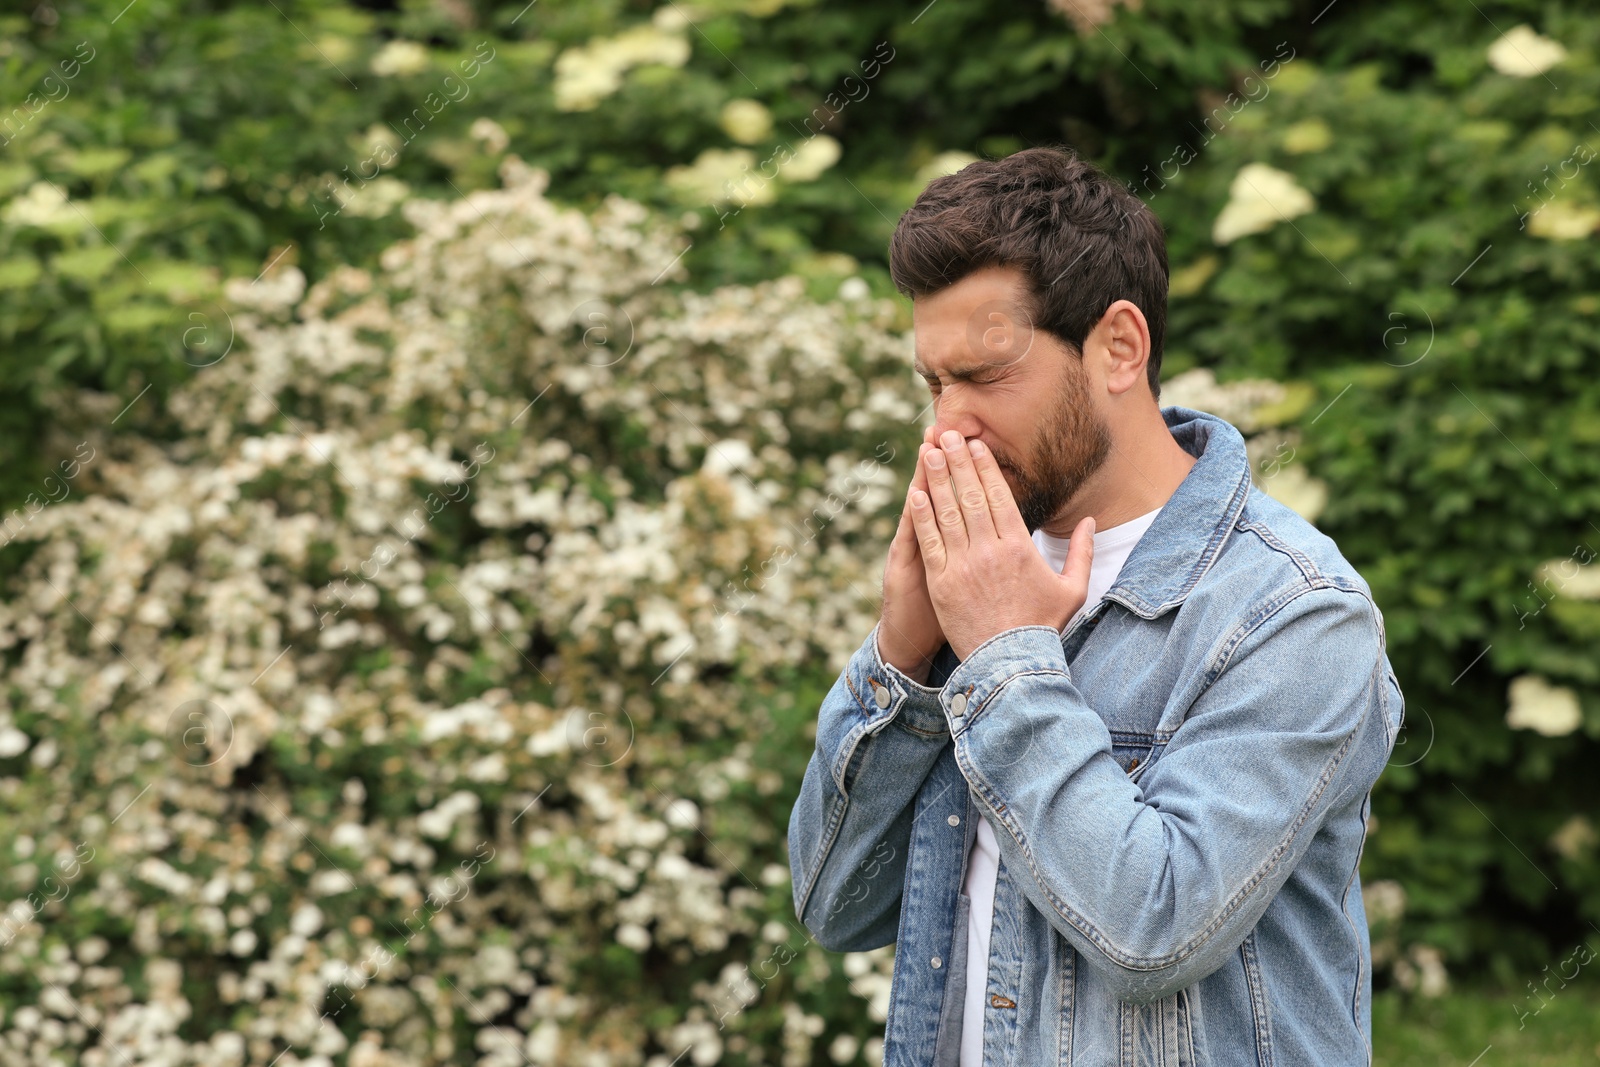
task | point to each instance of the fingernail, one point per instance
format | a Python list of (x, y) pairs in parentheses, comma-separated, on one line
[(936, 459), (919, 499), (950, 439), (977, 447)]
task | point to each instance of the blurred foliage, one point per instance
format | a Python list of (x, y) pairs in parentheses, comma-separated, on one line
[(1462, 1026), (208, 139), (1450, 326), (1449, 336)]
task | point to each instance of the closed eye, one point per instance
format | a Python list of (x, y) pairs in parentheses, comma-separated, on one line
[(970, 378)]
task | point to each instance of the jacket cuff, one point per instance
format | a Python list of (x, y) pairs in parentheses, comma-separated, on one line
[(884, 691), (1007, 655)]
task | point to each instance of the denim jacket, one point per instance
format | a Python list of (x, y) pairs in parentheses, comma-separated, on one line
[(1179, 784)]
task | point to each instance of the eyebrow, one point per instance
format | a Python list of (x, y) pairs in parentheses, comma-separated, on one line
[(959, 374)]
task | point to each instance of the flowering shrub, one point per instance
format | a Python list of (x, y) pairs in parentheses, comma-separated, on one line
[(426, 688)]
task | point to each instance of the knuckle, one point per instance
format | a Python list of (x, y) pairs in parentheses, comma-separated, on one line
[(997, 496), (950, 515), (973, 499)]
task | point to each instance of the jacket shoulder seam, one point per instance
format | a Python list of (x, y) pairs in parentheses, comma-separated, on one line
[(1270, 538)]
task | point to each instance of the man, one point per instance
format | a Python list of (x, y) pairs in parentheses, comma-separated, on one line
[(1102, 770)]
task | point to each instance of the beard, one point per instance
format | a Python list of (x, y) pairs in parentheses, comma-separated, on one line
[(1071, 444)]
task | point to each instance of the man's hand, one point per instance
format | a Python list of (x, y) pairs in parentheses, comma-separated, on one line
[(984, 574), (910, 635)]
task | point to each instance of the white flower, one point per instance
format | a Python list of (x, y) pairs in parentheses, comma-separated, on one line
[(376, 198), (307, 920), (942, 164), (673, 18), (853, 289), (1569, 578), (589, 73), (1575, 838), (1561, 221), (1551, 710), (726, 456), (441, 820), (1385, 900), (815, 155), (1237, 401), (491, 133), (44, 204), (746, 121), (633, 936), (13, 742), (721, 176), (1434, 980), (400, 57), (1522, 53), (1259, 198), (1295, 488), (683, 814)]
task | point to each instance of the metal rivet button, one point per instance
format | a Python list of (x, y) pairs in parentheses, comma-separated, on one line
[(958, 705), (881, 695), (954, 820), (937, 962)]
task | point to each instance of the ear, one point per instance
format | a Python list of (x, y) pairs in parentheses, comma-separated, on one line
[(1125, 336)]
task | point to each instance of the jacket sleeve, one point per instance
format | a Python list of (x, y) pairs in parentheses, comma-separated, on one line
[(878, 735), (1157, 882)]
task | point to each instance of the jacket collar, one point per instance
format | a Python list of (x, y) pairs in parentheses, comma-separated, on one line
[(1194, 523)]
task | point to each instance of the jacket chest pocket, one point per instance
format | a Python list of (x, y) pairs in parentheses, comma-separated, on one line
[(1160, 1034)]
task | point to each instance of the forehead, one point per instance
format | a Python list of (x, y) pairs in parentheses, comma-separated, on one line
[(976, 322)]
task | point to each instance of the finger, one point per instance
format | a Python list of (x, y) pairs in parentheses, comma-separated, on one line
[(929, 536), (1080, 560), (1007, 517), (968, 488), (919, 477), (905, 534), (945, 509)]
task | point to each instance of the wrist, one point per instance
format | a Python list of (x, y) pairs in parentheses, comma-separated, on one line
[(917, 669)]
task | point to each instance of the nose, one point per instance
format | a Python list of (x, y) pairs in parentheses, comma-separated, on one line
[(949, 414)]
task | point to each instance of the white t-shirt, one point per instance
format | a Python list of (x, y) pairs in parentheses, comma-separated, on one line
[(1111, 549)]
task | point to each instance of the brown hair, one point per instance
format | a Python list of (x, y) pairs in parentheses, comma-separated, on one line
[(1080, 238)]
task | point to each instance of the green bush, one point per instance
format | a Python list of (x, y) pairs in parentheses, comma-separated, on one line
[(1454, 347), (207, 139)]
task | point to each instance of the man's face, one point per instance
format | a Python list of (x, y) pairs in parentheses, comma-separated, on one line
[(1021, 391)]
